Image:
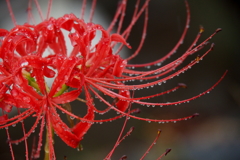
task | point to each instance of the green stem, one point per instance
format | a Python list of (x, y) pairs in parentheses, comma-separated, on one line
[(46, 147)]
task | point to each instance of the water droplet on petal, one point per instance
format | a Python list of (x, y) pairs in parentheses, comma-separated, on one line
[(26, 99)]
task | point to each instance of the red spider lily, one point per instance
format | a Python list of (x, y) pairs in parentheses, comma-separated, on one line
[(90, 69)]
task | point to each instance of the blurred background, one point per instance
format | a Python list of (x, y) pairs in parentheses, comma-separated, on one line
[(214, 135)]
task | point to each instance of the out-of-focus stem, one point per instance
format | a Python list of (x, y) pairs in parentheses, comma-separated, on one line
[(46, 146), (81, 100), (67, 106)]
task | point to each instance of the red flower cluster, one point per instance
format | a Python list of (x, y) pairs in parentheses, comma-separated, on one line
[(91, 69)]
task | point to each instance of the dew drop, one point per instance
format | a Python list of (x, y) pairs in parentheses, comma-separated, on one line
[(148, 67), (26, 99), (14, 93), (24, 64)]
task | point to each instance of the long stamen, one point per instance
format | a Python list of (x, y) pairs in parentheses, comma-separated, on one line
[(39, 9), (30, 15), (120, 135), (9, 143), (150, 147), (11, 12), (83, 9), (24, 135), (94, 2), (49, 9)]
